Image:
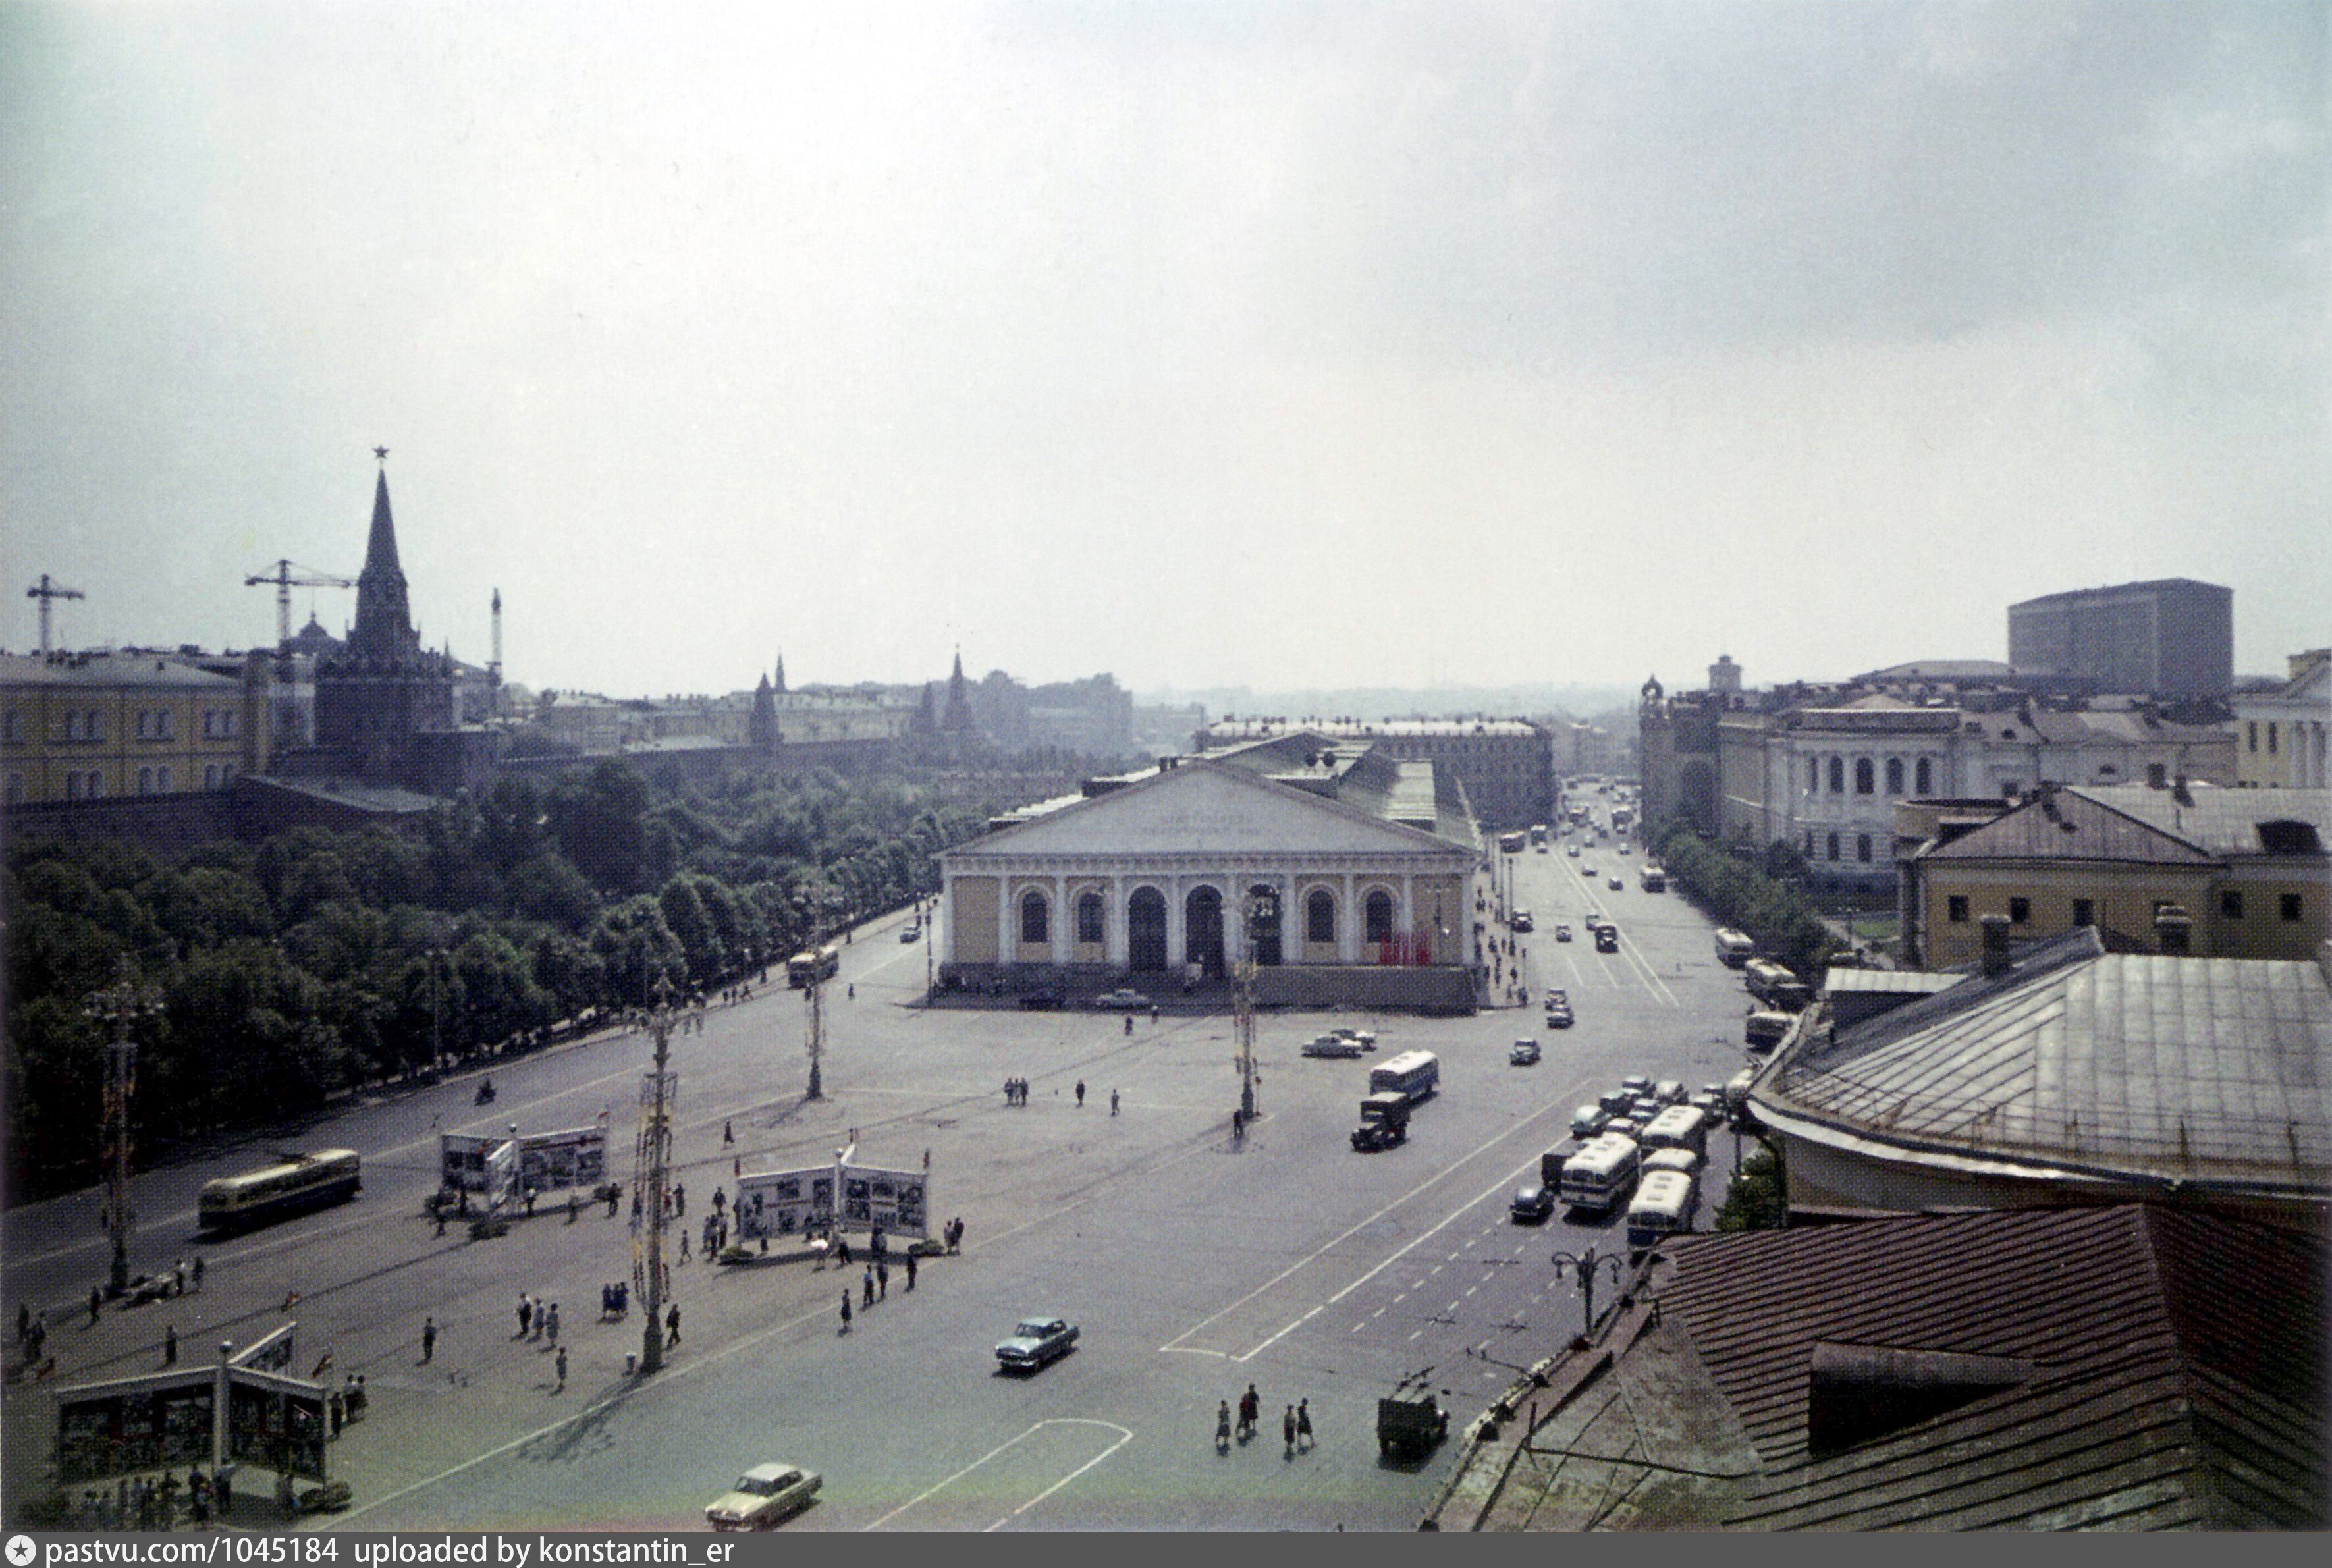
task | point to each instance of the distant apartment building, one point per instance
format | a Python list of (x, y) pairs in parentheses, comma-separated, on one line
[(2171, 638), (97, 726), (2195, 869), (1505, 765), (2280, 734), (1824, 768)]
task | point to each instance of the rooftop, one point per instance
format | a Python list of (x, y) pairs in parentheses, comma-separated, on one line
[(83, 671), (1226, 729)]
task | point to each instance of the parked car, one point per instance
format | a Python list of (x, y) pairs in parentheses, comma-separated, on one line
[(1331, 1045), (762, 1496), (1534, 1204), (1588, 1120), (1521, 921), (1042, 999), (1121, 1001), (1524, 1054), (1365, 1039), (1636, 1084), (1615, 1101), (1563, 931), (1624, 1126), (1037, 1340), (910, 932)]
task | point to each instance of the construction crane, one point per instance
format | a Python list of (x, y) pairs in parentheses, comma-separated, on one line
[(285, 583), (47, 591)]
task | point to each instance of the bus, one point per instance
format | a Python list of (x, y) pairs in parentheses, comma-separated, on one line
[(813, 965), (1654, 879), (1415, 1075), (1734, 947), (1663, 1207), (293, 1184), (1599, 1177), (1621, 816), (1683, 1160), (1765, 1030), (1538, 834), (1775, 986), (1512, 843), (1679, 1127)]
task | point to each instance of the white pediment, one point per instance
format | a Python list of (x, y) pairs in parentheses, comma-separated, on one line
[(1205, 808)]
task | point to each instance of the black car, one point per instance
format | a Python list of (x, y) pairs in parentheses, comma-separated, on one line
[(1534, 1204)]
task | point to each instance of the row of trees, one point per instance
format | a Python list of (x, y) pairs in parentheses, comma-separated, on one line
[(317, 962), (1738, 888)]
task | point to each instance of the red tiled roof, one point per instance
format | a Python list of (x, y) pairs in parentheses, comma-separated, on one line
[(2177, 1376)]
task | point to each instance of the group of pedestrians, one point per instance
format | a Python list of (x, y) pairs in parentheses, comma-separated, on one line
[(538, 1321), (1016, 1091), (139, 1504), (1294, 1423)]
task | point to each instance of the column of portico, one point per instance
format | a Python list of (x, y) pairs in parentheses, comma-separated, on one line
[(1409, 915), (1061, 932), (1177, 952), (1116, 938), (1348, 929)]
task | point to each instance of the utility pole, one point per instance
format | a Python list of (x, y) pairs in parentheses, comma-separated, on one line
[(656, 1152), (1243, 1004), (813, 998), (124, 1001), (47, 592)]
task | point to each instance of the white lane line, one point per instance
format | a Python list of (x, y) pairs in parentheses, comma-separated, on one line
[(1073, 1475), (1658, 987), (1282, 1334), (1360, 1325), (1325, 1248)]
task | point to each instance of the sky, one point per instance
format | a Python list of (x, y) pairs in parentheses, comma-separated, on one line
[(1203, 343)]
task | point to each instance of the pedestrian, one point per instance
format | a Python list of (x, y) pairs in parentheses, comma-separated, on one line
[(882, 1280), (441, 1218), (525, 1313), (170, 1345), (1250, 1411), (571, 1205), (1080, 1083), (1113, 1101), (24, 1322), (911, 1268), (614, 1197), (845, 1313), (841, 1249), (684, 1244), (338, 1409), (672, 1324), (728, 1135), (866, 1286), (530, 1201), (1129, 1023), (96, 1305), (178, 1277), (428, 1339), (1223, 1427), (551, 1323), (542, 1319), (1287, 1432), (1303, 1424), (562, 1364)]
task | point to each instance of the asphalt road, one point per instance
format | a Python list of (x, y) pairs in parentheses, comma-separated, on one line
[(1194, 1266)]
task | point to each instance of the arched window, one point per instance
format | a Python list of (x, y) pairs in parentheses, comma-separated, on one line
[(1837, 777), (162, 781), (1926, 774), (1376, 912), (1813, 775), (1320, 916), (1034, 927), (145, 780), (1894, 775), (1866, 776), (1090, 927)]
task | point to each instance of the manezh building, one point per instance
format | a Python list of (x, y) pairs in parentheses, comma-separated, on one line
[(1346, 874)]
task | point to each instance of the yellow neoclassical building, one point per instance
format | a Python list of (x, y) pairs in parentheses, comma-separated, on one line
[(1346, 874), (102, 726)]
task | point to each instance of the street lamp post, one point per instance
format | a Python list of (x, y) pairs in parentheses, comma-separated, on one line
[(1585, 1263), (1243, 999), (124, 1001), (656, 1146), (813, 998)]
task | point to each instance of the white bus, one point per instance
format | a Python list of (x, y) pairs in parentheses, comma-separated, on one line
[(1775, 986), (811, 965), (1683, 1160), (1415, 1075), (1734, 947), (1679, 1127), (1599, 1178), (1663, 1207), (292, 1185)]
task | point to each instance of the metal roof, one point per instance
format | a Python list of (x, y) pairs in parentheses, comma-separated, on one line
[(2220, 821), (1890, 982), (2113, 1066), (2071, 825), (2161, 1368)]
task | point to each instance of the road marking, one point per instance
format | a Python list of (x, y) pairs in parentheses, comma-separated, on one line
[(1124, 1437)]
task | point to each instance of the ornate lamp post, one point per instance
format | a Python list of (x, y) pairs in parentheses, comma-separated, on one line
[(1585, 1263), (124, 1001), (655, 1150), (813, 998)]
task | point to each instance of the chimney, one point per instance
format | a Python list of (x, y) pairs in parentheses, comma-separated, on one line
[(2174, 929), (1995, 945)]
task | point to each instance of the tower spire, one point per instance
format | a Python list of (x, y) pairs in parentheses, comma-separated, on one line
[(384, 624)]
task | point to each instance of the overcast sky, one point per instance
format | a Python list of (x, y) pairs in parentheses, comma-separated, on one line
[(1289, 345)]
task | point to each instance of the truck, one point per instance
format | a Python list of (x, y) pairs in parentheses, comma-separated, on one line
[(1775, 986), (1410, 1421), (1384, 1122), (1734, 947)]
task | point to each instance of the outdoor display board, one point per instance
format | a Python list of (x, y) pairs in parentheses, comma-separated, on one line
[(107, 1432), (488, 1166), (575, 1158), (897, 1200), (778, 1203), (277, 1423)]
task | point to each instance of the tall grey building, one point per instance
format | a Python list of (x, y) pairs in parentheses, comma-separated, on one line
[(2171, 638)]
